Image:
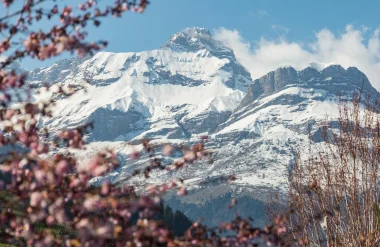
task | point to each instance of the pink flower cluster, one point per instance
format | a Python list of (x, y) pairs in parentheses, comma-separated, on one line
[(46, 199)]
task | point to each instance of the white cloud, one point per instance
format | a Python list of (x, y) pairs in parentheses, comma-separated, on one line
[(280, 28), (260, 13), (349, 48)]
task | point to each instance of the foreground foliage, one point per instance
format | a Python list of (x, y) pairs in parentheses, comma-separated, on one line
[(335, 193), (46, 198)]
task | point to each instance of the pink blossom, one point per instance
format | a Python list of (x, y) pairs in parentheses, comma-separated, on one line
[(36, 198), (62, 167), (182, 191), (105, 188), (31, 44), (91, 203), (105, 231), (50, 220), (168, 149), (9, 113), (100, 170), (190, 156)]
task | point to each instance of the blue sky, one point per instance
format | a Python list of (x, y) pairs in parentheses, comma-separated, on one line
[(264, 34), (297, 20)]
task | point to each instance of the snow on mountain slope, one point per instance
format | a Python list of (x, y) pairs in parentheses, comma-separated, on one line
[(166, 93), (259, 140), (275, 118), (193, 86)]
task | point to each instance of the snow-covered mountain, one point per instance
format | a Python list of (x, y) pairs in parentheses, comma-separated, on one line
[(189, 86), (193, 86)]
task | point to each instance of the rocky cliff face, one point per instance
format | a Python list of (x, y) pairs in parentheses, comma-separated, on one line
[(334, 79), (194, 86)]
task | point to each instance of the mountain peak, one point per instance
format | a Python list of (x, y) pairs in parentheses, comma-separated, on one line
[(334, 79), (192, 39), (196, 31)]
